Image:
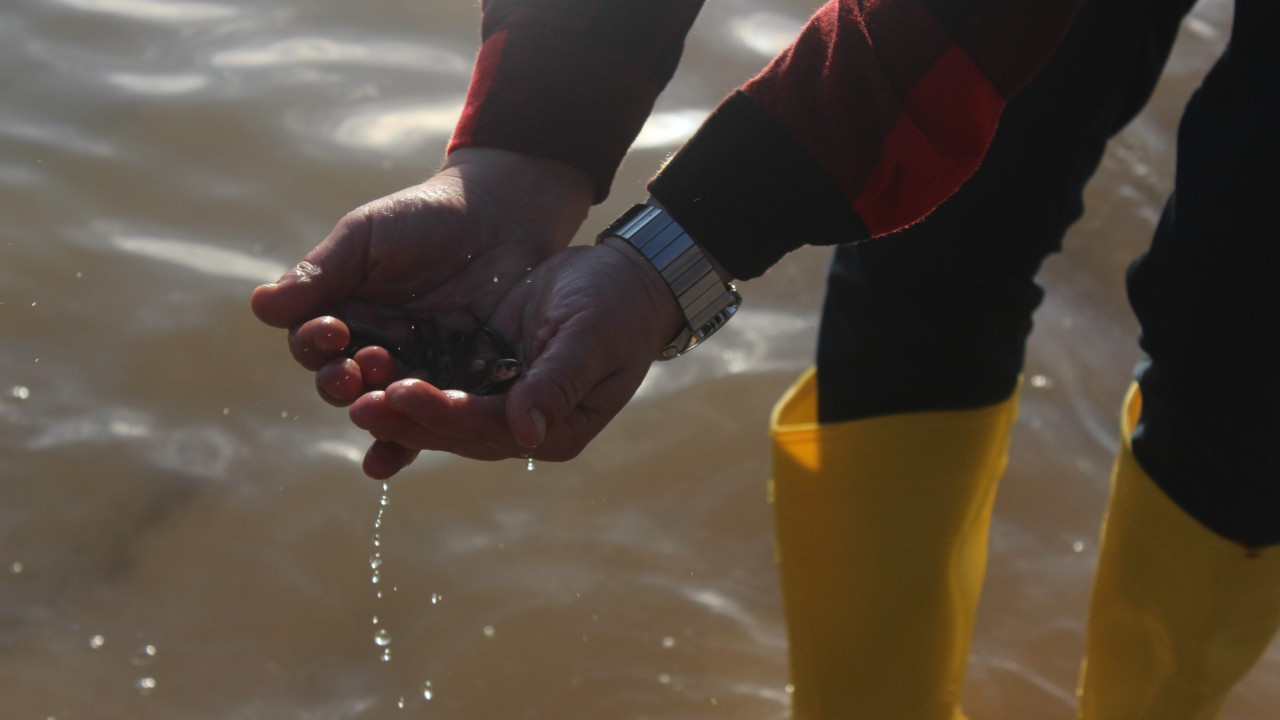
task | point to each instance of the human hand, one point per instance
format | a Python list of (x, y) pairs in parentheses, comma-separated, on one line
[(445, 250), (588, 322)]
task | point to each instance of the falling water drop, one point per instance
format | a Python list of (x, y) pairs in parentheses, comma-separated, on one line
[(382, 638), (427, 694), (144, 655)]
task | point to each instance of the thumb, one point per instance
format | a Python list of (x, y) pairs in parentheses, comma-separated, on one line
[(552, 389), (327, 275)]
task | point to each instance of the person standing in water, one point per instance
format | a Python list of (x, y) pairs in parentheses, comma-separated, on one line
[(942, 147)]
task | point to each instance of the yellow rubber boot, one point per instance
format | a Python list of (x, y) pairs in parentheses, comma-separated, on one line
[(1179, 614), (882, 545)]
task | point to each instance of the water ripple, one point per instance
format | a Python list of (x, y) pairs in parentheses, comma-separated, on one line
[(155, 10), (396, 129), (765, 33), (313, 50), (204, 259), (158, 84)]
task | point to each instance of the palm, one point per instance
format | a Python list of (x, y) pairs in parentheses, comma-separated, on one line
[(434, 247), (440, 253)]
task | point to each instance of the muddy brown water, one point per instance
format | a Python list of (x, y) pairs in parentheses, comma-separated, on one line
[(184, 529)]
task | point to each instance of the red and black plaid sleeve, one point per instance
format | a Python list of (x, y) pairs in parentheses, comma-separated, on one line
[(877, 113), (571, 80)]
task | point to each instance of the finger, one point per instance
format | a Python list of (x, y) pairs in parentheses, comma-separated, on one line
[(378, 367), (328, 274), (552, 388), (451, 414), (384, 459), (416, 414), (339, 382), (370, 412), (318, 340)]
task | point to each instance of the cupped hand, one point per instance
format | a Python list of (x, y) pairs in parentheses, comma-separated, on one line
[(449, 249), (588, 322)]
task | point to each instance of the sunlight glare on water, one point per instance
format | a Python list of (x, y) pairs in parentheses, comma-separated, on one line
[(212, 551)]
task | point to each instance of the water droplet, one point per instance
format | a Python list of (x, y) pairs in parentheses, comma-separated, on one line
[(386, 655), (382, 638), (379, 594), (427, 694), (495, 279), (376, 579), (375, 619), (385, 487), (400, 703), (1078, 546), (489, 631), (529, 465), (789, 689), (226, 411), (1040, 381), (664, 678), (16, 568), (668, 642), (79, 274), (284, 414), (97, 641), (146, 685), (22, 392), (145, 655), (384, 501), (436, 598), (375, 561)]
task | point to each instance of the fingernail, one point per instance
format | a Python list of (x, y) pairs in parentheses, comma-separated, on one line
[(539, 419), (302, 272)]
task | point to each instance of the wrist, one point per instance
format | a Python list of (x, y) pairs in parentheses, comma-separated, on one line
[(691, 279), (549, 200)]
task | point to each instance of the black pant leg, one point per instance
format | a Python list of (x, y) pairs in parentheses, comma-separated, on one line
[(1207, 295), (937, 316)]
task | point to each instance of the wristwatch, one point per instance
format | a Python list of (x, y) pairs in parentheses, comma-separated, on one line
[(706, 301)]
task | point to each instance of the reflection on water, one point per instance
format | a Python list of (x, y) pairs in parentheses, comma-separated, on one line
[(393, 129), (205, 259), (765, 32), (185, 527), (154, 10)]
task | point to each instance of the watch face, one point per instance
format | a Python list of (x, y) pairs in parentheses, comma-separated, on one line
[(686, 270)]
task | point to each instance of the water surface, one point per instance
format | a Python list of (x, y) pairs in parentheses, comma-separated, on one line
[(184, 529)]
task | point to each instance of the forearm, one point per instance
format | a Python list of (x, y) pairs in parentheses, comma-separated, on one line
[(571, 80), (875, 115)]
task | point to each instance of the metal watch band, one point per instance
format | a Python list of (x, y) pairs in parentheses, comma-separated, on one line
[(706, 301)]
